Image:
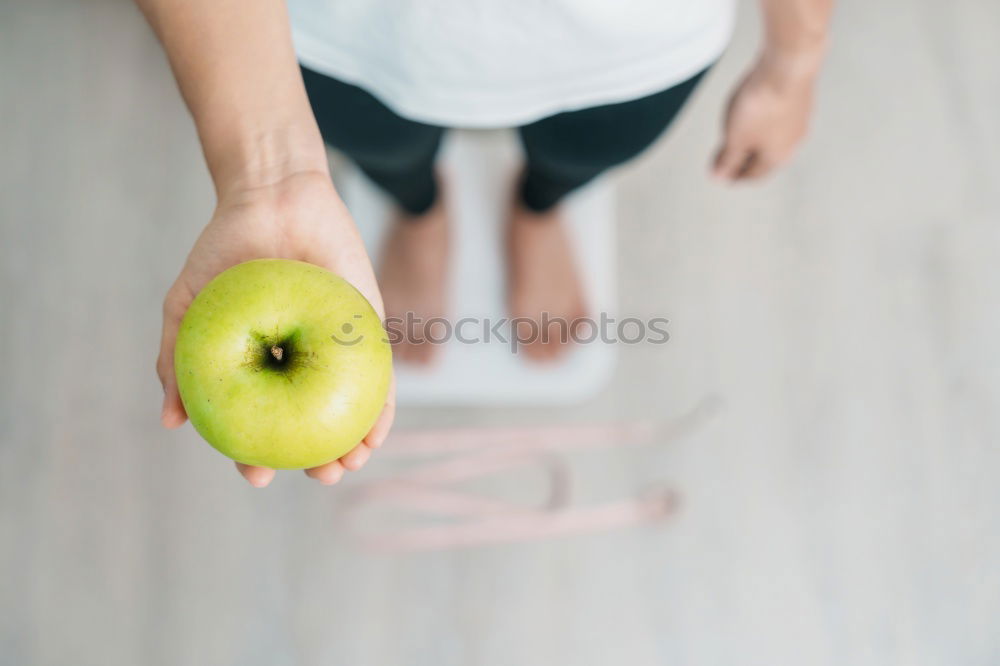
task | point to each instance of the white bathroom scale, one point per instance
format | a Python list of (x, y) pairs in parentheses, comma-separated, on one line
[(479, 168)]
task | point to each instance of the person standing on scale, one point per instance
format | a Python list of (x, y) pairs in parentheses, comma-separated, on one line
[(589, 84)]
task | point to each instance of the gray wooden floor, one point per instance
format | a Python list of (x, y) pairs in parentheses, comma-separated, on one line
[(841, 508)]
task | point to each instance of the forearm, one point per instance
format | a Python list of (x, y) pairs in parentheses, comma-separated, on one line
[(237, 72), (795, 33)]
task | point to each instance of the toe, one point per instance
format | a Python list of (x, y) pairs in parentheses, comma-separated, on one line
[(535, 351), (423, 353)]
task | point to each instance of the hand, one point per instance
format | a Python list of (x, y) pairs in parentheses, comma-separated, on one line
[(767, 117), (301, 217)]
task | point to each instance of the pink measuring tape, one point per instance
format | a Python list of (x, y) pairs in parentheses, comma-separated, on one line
[(457, 517)]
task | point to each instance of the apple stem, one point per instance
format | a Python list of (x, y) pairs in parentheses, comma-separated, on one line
[(277, 352)]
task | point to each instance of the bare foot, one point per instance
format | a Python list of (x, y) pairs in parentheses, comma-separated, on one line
[(543, 282), (413, 274)]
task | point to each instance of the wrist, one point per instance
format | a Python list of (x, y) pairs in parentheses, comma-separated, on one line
[(789, 69), (794, 64), (253, 157)]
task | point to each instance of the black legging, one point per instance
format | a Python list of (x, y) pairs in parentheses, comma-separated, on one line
[(563, 151)]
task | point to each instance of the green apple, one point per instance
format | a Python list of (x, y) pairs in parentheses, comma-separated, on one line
[(282, 364)]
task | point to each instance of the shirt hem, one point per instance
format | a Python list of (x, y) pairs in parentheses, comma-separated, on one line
[(512, 108)]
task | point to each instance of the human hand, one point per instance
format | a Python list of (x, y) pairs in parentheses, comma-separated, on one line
[(767, 116), (300, 217)]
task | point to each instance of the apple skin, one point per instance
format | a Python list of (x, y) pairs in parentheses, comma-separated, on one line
[(316, 402)]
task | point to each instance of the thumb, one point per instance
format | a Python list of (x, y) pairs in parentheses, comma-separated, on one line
[(730, 160), (173, 414)]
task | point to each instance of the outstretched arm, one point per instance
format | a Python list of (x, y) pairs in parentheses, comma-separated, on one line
[(237, 71), (768, 114)]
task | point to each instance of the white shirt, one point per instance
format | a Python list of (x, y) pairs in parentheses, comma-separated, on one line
[(502, 63)]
